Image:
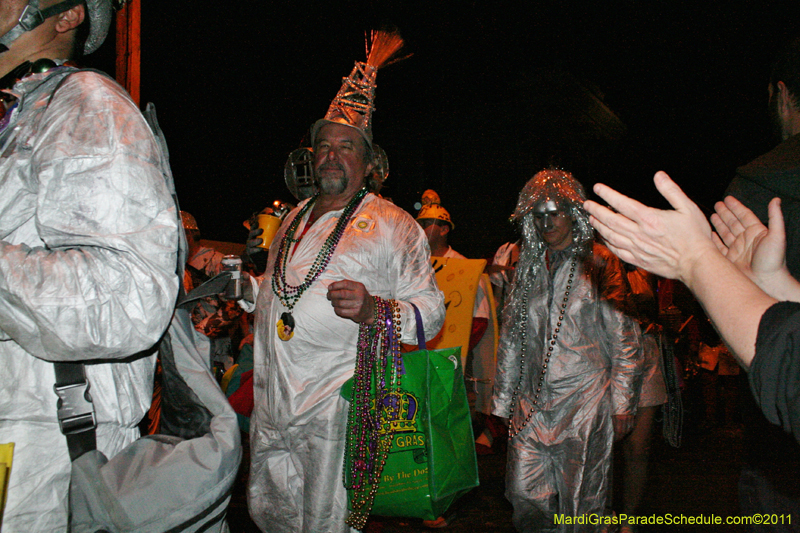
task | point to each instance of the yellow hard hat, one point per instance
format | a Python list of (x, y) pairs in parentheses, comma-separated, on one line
[(435, 212), (430, 197), (188, 221)]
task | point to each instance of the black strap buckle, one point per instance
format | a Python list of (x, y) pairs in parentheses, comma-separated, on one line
[(31, 18), (75, 408)]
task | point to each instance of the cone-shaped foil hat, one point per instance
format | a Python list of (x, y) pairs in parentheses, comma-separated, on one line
[(355, 101)]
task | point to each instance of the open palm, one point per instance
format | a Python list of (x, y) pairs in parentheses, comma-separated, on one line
[(759, 252)]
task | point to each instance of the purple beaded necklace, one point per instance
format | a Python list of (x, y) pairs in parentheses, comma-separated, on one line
[(374, 403)]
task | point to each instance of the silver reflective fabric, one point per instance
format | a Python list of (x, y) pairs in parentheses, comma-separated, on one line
[(299, 420), (88, 250), (559, 463), (165, 483)]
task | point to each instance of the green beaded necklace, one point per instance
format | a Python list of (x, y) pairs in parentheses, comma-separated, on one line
[(290, 294)]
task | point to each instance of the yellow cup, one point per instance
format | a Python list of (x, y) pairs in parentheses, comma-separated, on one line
[(6, 458), (270, 225)]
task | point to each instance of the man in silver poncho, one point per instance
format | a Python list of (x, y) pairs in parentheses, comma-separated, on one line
[(569, 362), (88, 249)]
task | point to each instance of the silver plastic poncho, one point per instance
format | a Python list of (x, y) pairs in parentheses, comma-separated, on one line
[(589, 350), (299, 420), (88, 252)]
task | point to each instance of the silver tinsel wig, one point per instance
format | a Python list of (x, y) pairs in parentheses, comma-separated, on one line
[(548, 185)]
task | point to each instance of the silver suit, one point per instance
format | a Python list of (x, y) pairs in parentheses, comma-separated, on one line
[(88, 256), (558, 464)]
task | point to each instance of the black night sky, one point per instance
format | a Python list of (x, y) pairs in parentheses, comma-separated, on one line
[(495, 91)]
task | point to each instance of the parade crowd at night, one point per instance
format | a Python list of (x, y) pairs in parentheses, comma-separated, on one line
[(344, 364)]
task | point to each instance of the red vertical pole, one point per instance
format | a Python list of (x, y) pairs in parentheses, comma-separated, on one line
[(129, 49)]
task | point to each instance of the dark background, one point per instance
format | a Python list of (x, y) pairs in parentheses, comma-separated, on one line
[(495, 91)]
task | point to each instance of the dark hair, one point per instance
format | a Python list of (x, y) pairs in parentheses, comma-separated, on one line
[(369, 154), (374, 179), (81, 33), (786, 68)]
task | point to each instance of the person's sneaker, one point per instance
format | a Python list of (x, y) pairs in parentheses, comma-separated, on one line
[(441, 522)]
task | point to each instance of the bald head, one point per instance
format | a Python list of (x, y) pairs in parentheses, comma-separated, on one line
[(55, 38)]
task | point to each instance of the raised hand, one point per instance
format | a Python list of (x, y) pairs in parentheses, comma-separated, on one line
[(759, 252), (664, 242)]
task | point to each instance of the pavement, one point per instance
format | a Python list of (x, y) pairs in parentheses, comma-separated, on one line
[(698, 478)]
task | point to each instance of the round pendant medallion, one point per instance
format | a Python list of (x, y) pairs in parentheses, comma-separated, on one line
[(286, 327)]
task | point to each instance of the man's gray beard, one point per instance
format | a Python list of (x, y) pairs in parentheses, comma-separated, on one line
[(331, 185)]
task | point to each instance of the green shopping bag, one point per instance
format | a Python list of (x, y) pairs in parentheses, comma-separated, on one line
[(432, 461)]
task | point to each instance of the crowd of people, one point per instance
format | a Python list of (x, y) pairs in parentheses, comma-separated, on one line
[(91, 270)]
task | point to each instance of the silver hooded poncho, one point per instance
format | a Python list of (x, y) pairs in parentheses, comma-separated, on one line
[(569, 359), (88, 254)]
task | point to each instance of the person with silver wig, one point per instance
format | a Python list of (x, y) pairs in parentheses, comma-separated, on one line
[(544, 194), (569, 361)]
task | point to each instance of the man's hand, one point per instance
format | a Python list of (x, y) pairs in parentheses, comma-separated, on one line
[(758, 252), (254, 240), (253, 252), (351, 300), (667, 243), (623, 424), (247, 288)]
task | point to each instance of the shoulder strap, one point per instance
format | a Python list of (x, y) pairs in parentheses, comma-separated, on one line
[(76, 416), (421, 344)]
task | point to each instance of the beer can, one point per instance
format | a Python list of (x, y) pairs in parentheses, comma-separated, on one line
[(233, 264)]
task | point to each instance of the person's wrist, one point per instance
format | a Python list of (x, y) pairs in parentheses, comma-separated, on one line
[(696, 259), (370, 311), (779, 284), (247, 288)]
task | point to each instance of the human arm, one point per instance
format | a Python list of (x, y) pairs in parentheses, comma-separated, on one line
[(399, 268), (677, 244), (506, 374), (412, 279), (621, 339), (500, 265), (93, 274), (510, 346), (774, 375), (481, 313)]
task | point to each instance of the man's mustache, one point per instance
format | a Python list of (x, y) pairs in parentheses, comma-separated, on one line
[(331, 166)]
